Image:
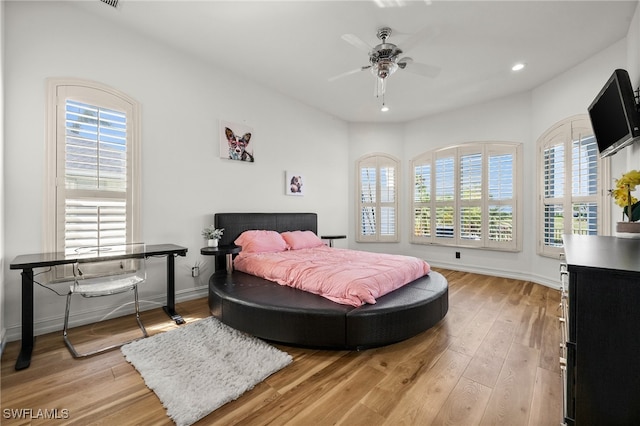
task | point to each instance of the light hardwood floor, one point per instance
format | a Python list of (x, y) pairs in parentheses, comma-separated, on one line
[(492, 360)]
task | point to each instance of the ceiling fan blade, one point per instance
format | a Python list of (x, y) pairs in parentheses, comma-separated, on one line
[(427, 33), (418, 68), (357, 42), (344, 74)]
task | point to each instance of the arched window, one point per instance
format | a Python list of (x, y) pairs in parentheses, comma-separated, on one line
[(377, 201), (467, 196), (570, 184), (93, 161)]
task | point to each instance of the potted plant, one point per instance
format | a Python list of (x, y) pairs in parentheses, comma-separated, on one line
[(212, 235), (630, 205)]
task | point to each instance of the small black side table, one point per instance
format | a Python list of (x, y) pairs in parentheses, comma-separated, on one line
[(332, 237), (227, 250)]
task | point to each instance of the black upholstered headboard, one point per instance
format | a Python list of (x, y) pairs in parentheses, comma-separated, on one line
[(235, 224)]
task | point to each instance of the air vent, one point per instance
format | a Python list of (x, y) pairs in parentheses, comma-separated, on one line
[(113, 3)]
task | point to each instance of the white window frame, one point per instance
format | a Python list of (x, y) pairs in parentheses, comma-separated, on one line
[(564, 133), (378, 161), (456, 203), (92, 93)]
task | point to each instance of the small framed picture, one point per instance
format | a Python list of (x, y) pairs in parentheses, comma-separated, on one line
[(294, 184), (236, 142)]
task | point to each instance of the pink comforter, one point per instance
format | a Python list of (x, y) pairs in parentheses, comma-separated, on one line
[(344, 276)]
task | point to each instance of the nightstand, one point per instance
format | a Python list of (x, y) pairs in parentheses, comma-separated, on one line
[(227, 250), (332, 237)]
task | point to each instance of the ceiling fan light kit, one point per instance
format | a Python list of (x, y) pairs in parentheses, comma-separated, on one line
[(385, 59)]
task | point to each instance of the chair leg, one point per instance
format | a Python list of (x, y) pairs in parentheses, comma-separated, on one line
[(144, 330), (73, 350)]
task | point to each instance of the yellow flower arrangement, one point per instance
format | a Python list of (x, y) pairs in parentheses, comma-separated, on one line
[(622, 194)]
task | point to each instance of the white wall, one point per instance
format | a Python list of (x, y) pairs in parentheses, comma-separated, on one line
[(184, 180)]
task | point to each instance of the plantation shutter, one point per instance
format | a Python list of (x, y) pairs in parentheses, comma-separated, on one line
[(368, 197), (554, 189), (387, 201), (470, 190), (502, 207), (95, 176), (445, 194), (584, 182), (421, 199)]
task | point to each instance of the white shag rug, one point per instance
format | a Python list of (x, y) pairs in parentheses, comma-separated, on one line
[(201, 366)]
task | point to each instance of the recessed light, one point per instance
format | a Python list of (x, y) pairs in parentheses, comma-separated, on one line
[(517, 67)]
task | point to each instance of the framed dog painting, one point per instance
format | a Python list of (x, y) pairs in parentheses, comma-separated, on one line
[(293, 184), (236, 142)]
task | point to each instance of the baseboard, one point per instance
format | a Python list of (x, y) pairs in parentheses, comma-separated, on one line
[(503, 273), (55, 323)]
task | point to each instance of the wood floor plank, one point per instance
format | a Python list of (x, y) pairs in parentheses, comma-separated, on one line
[(491, 360), (487, 363), (391, 390), (430, 391), (331, 407), (550, 347), (474, 333), (284, 409), (465, 405), (531, 326), (361, 415), (510, 401), (546, 405)]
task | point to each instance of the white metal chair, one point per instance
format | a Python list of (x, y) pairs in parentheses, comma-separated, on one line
[(103, 271)]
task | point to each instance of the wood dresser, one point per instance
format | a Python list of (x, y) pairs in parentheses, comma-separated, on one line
[(600, 324)]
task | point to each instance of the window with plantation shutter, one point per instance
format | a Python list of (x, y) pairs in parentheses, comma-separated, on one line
[(445, 196), (471, 196), (474, 202), (377, 198), (95, 175), (570, 190), (93, 156), (422, 200), (500, 189)]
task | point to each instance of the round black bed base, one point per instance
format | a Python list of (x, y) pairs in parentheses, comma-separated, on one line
[(294, 317)]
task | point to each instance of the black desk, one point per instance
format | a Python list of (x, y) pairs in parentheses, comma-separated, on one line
[(28, 262)]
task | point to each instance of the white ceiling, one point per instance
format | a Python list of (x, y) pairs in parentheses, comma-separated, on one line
[(294, 47)]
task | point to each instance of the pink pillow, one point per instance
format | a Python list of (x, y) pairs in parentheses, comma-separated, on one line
[(261, 242), (301, 239)]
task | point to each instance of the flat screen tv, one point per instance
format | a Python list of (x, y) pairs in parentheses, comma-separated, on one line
[(614, 115)]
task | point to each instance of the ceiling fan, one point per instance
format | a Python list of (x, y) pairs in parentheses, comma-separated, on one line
[(385, 59)]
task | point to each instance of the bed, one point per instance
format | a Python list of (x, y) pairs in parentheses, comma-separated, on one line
[(292, 316)]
